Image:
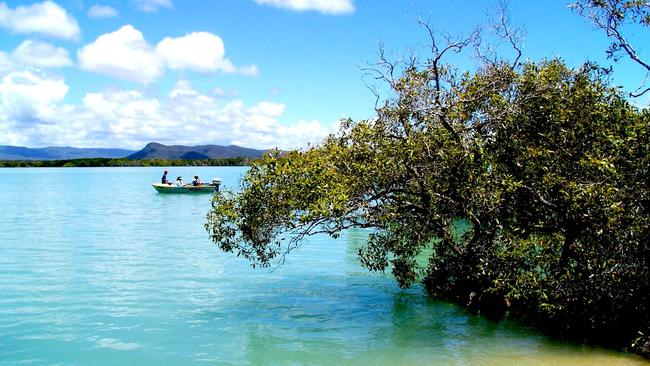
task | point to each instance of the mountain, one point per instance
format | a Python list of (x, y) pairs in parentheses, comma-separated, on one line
[(58, 153), (155, 150), (151, 151)]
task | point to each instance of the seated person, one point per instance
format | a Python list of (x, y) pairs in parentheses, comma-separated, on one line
[(196, 181), (164, 179), (179, 182)]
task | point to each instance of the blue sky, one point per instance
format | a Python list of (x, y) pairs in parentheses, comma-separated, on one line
[(257, 73)]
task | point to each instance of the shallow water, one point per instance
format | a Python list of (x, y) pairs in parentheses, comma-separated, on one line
[(96, 268)]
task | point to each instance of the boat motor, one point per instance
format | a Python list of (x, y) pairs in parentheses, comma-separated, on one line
[(217, 183)]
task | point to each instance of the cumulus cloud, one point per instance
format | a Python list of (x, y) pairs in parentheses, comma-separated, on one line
[(122, 54), (125, 54), (45, 18), (40, 54), (101, 11), (28, 97), (152, 6), (333, 7), (200, 51), (33, 105)]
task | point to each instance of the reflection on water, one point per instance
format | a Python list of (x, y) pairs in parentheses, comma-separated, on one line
[(97, 268)]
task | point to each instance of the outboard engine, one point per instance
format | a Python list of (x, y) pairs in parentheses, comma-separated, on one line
[(217, 183)]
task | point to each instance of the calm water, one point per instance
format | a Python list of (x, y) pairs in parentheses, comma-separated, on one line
[(96, 268)]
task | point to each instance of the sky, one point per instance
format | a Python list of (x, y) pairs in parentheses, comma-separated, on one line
[(254, 73)]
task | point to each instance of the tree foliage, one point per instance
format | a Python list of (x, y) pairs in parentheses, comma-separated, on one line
[(527, 188), (121, 162)]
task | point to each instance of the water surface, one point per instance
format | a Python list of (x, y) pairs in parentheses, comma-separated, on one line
[(96, 268)]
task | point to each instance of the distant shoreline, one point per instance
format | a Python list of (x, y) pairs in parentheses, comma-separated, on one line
[(122, 162)]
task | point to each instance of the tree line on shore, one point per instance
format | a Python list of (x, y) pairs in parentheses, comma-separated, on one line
[(122, 162)]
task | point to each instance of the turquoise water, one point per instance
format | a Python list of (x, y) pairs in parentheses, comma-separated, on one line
[(96, 268)]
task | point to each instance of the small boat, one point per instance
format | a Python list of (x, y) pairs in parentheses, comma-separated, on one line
[(188, 188)]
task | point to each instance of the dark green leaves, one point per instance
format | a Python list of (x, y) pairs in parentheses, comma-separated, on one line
[(524, 187)]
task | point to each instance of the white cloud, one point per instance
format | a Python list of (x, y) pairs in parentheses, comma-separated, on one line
[(152, 6), (129, 118), (33, 54), (200, 51), (40, 54), (123, 54), (5, 63), (334, 7), (46, 18), (101, 11), (27, 96)]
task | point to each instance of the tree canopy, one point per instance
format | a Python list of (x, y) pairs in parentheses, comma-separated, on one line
[(526, 186)]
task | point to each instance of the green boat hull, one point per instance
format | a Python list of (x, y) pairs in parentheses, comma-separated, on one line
[(203, 188)]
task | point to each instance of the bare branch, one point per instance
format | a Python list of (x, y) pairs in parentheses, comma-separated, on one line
[(501, 26), (453, 44), (507, 32), (638, 94), (611, 16)]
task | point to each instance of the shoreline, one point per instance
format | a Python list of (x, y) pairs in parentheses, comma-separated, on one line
[(122, 162)]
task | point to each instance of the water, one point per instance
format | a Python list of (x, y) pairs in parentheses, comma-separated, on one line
[(96, 268)]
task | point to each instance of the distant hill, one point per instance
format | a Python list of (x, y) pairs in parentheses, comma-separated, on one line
[(155, 150), (58, 153)]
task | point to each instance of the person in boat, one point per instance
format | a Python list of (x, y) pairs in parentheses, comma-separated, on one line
[(164, 179), (196, 181), (179, 182)]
